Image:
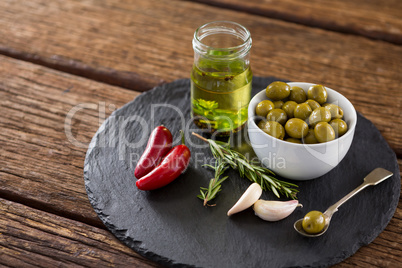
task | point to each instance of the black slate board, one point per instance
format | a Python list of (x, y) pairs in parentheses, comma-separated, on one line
[(170, 225)]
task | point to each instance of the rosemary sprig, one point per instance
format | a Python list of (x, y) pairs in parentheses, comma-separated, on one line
[(225, 156), (214, 186)]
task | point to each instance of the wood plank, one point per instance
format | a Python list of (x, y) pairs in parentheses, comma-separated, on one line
[(37, 161), (377, 19), (41, 168), (153, 39), (110, 76), (33, 238)]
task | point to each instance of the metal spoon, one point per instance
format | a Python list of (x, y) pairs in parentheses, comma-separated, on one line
[(375, 177)]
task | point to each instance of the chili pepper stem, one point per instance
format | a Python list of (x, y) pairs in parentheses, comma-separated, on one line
[(183, 140)]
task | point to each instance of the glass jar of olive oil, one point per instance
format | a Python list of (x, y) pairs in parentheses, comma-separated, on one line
[(221, 77)]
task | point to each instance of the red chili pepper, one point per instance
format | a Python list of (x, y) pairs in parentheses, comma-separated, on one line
[(175, 162), (159, 144)]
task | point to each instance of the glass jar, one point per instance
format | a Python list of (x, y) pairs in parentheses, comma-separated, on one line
[(221, 77)]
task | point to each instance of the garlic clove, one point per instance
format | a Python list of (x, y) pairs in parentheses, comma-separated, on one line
[(275, 210), (249, 197)]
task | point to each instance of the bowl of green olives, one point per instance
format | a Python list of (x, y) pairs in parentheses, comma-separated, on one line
[(300, 130)]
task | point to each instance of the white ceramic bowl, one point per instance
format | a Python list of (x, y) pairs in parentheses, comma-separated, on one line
[(301, 161)]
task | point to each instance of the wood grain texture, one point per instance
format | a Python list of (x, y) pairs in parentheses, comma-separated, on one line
[(153, 39), (41, 168), (38, 162), (33, 238), (110, 76), (377, 19)]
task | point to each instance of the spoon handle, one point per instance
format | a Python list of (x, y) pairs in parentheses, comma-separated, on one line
[(376, 176)]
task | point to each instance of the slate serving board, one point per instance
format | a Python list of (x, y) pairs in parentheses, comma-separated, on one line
[(170, 225)]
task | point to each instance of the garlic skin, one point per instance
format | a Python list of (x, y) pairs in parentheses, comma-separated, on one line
[(275, 210), (249, 197)]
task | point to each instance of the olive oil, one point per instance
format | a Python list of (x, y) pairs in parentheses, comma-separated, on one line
[(220, 98), (221, 77)]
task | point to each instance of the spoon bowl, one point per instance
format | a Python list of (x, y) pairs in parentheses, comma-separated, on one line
[(299, 228), (373, 178)]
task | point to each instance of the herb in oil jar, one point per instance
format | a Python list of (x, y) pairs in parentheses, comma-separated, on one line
[(221, 77)]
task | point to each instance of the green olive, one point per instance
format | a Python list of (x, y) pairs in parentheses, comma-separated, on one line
[(319, 115), (264, 107), (313, 222), (302, 111), (274, 129), (324, 132), (289, 108), (277, 115), (313, 104), (261, 123), (336, 111), (296, 128), (340, 127), (278, 104), (293, 140), (317, 93), (310, 137), (277, 90), (297, 94)]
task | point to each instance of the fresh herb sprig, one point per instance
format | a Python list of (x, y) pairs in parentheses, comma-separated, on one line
[(214, 187), (225, 156)]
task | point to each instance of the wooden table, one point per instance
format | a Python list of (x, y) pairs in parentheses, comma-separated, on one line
[(91, 57)]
